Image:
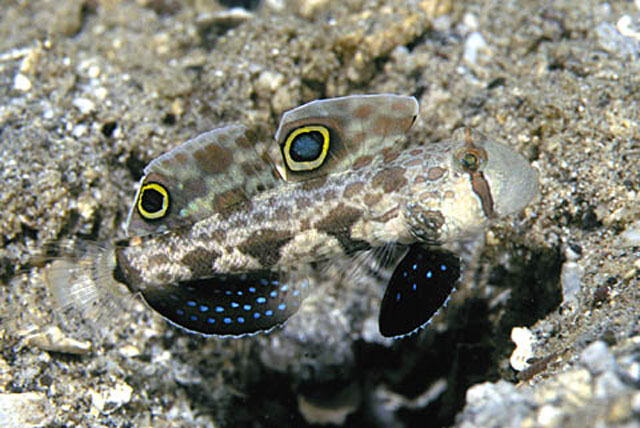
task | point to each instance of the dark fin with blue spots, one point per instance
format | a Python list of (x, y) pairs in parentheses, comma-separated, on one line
[(420, 285), (229, 305)]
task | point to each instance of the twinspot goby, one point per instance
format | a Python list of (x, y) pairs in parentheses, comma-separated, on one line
[(221, 233)]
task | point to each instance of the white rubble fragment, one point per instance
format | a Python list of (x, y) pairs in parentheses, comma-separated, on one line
[(25, 410), (597, 358), (108, 400), (523, 338), (571, 278), (21, 83), (472, 47), (630, 237), (84, 105), (53, 339)]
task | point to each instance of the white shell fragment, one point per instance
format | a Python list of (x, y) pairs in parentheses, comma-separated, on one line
[(523, 338)]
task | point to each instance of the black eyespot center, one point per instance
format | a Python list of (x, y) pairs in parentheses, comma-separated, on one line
[(151, 200)]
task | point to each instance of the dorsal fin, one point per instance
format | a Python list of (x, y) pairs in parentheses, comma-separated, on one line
[(333, 135), (207, 174)]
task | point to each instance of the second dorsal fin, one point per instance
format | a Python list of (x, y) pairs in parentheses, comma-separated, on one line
[(333, 135)]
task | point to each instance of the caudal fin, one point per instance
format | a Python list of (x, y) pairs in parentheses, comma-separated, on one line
[(83, 287)]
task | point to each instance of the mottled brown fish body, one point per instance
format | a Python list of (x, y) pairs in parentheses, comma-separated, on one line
[(412, 195), (221, 232)]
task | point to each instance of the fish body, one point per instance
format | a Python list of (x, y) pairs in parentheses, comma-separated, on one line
[(220, 235)]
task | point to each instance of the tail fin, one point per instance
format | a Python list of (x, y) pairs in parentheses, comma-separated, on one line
[(82, 284)]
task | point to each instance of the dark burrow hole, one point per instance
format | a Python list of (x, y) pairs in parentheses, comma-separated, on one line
[(468, 352), (247, 4), (135, 165)]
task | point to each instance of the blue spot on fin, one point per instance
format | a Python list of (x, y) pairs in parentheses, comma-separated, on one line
[(231, 293), (415, 308)]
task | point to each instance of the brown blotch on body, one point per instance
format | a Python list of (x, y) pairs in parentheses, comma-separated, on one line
[(179, 157), (230, 201), (363, 112), (265, 245), (124, 271), (371, 199), (247, 140), (251, 168), (388, 126), (413, 162), (213, 159), (415, 152), (390, 179), (362, 161), (390, 154), (357, 140), (193, 187), (200, 261), (338, 223), (314, 183), (392, 213), (435, 173), (352, 189)]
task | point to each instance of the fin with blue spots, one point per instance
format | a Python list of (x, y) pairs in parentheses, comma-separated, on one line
[(230, 304), (419, 286)]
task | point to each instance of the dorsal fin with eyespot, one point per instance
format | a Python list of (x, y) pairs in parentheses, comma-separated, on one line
[(213, 172), (333, 135)]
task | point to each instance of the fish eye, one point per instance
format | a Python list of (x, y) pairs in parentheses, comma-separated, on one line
[(470, 159), (306, 148), (153, 202)]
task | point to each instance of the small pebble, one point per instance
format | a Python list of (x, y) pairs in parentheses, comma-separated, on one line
[(21, 83), (571, 279), (473, 45), (109, 400), (523, 338), (550, 416), (334, 410), (611, 41), (635, 403), (630, 237), (597, 358), (52, 339), (608, 385), (84, 105), (25, 410)]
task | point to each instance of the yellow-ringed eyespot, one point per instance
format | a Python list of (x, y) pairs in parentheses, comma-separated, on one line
[(153, 202), (471, 159), (306, 148)]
